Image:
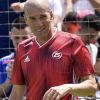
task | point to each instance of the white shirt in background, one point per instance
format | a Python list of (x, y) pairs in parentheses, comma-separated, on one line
[(83, 5), (93, 50), (56, 7)]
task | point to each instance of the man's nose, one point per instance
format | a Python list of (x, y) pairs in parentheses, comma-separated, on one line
[(39, 22)]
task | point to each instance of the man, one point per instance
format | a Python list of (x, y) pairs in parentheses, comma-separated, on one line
[(89, 32), (5, 20), (45, 63), (90, 24), (71, 23), (19, 31)]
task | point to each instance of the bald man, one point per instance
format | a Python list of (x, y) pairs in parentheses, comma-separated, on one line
[(59, 7), (45, 63)]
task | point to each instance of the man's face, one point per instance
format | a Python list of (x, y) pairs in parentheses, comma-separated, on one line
[(70, 27), (18, 35), (39, 20), (89, 35)]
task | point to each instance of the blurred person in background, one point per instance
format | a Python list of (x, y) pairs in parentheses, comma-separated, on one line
[(71, 23), (7, 15), (19, 32), (89, 32)]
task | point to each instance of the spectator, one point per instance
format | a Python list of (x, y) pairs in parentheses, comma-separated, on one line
[(46, 62), (90, 23), (6, 17), (90, 30), (19, 31), (71, 23)]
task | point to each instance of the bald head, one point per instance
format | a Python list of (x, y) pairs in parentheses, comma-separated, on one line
[(39, 16), (37, 5)]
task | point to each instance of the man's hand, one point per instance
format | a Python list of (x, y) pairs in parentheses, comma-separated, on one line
[(17, 7), (9, 68), (56, 93)]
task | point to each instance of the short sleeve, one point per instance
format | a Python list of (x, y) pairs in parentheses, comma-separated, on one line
[(17, 75), (83, 65)]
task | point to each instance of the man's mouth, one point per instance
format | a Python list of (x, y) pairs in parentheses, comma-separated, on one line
[(40, 30)]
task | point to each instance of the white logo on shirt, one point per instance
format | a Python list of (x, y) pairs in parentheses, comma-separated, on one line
[(56, 54), (27, 59)]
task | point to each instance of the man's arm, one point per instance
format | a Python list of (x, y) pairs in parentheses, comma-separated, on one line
[(18, 6), (85, 88), (17, 92), (97, 67), (5, 87)]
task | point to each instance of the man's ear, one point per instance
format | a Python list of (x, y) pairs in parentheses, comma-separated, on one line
[(52, 16), (10, 35)]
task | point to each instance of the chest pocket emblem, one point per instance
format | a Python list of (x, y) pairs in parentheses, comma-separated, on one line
[(56, 54)]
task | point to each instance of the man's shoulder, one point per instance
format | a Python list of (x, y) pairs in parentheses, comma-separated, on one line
[(27, 42), (69, 35), (25, 46), (6, 58), (70, 38)]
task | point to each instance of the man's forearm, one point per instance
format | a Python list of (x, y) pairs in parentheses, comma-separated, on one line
[(17, 93), (85, 88), (22, 6), (14, 96)]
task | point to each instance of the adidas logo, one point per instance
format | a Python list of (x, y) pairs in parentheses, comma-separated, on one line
[(27, 59)]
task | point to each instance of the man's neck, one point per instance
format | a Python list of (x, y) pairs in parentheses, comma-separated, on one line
[(42, 40)]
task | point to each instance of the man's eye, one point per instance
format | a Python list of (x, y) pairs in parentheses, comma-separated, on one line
[(16, 38), (32, 18), (43, 17)]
